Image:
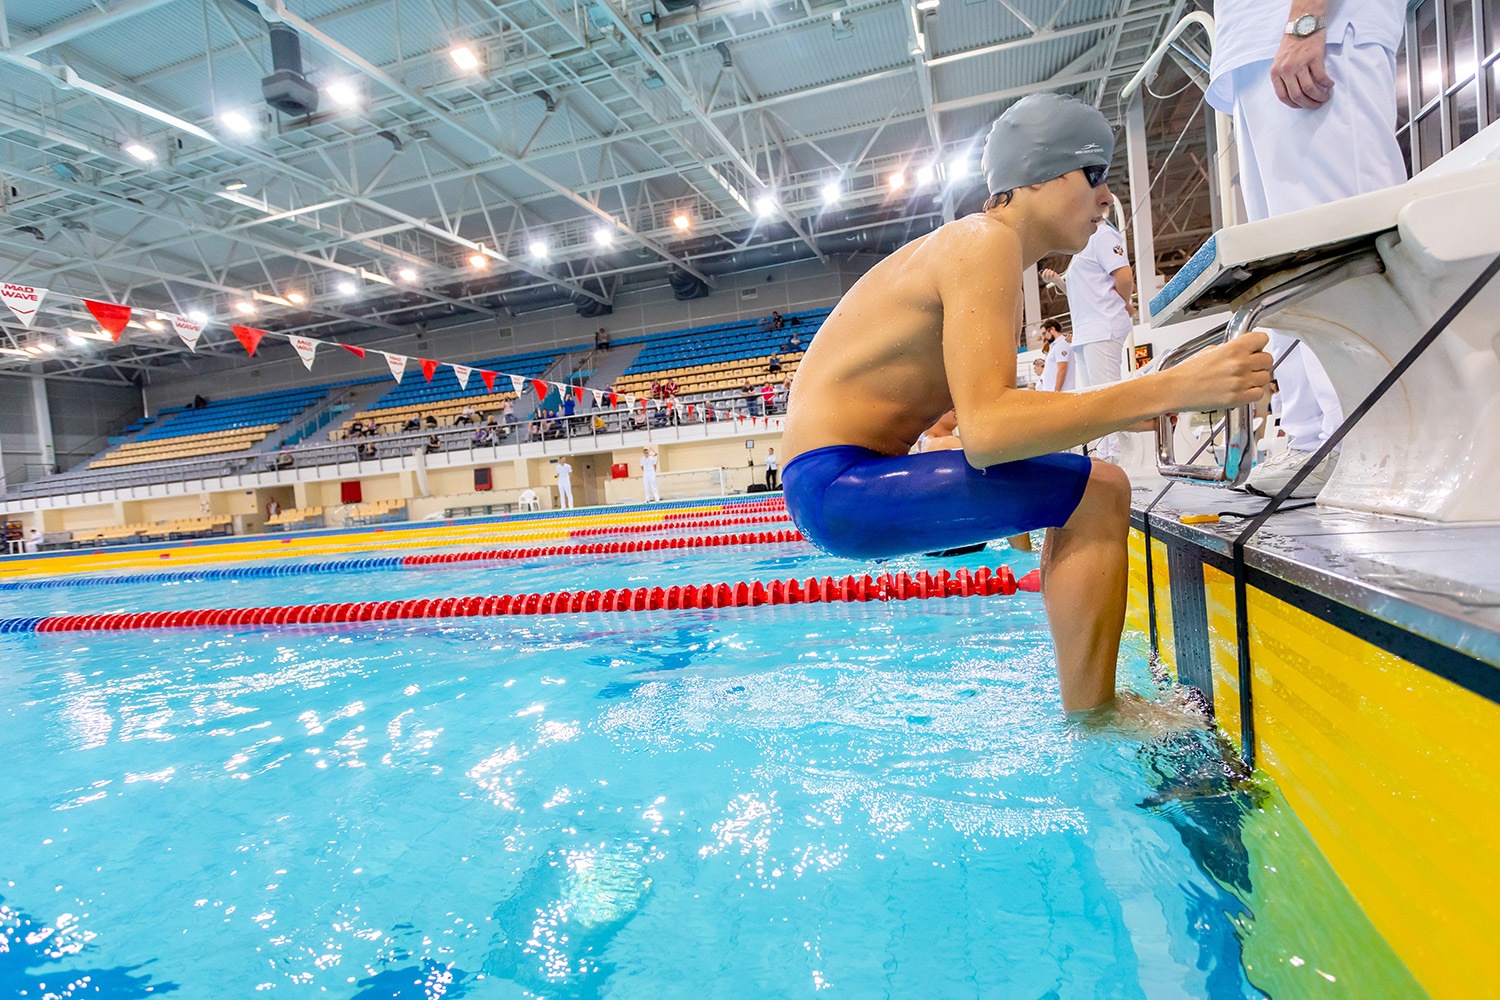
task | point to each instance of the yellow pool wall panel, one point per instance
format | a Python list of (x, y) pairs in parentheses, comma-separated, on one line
[(1137, 616), (1394, 771)]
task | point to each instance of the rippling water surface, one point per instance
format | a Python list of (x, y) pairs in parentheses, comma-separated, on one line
[(848, 800)]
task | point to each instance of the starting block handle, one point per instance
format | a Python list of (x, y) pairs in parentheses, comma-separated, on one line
[(1239, 453)]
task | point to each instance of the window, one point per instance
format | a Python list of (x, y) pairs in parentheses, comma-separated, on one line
[(1447, 77)]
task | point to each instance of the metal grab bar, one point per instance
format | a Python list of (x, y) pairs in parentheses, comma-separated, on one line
[(1239, 453)]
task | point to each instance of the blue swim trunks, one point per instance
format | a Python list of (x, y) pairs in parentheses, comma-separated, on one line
[(860, 504)]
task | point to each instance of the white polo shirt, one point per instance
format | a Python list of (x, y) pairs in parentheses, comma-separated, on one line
[(1250, 31), (1061, 351), (1098, 311), (564, 473)]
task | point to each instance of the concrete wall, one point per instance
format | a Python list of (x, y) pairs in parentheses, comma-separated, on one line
[(83, 416)]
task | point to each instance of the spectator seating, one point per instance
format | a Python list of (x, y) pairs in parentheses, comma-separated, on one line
[(377, 512), (720, 359), (443, 397), (221, 427), (297, 517), (191, 527)]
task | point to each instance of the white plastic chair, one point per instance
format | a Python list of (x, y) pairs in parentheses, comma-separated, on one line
[(528, 501)]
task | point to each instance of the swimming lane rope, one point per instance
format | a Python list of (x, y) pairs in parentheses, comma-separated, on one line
[(886, 587)]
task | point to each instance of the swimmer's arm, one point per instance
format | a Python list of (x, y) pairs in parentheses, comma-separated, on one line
[(979, 282)]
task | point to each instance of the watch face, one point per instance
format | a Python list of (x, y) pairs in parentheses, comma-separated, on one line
[(1306, 25)]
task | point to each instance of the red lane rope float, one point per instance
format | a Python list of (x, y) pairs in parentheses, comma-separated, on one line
[(718, 522), (601, 548), (901, 587)]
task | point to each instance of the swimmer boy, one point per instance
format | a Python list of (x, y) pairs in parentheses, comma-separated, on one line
[(933, 327)]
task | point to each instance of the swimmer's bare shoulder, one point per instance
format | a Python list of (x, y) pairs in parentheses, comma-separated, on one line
[(876, 376)]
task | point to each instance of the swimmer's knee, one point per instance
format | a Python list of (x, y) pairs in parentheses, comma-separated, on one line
[(1106, 498)]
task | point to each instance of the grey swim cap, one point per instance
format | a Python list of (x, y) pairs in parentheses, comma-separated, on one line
[(1044, 136)]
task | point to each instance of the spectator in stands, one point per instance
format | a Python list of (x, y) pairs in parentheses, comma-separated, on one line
[(430, 421), (776, 322), (434, 445), (773, 363), (601, 339), (508, 411), (357, 428), (780, 396), (570, 406), (284, 461), (599, 423), (199, 402), (534, 429), (768, 398), (751, 399), (669, 388), (480, 437), (414, 423), (793, 344), (465, 416), (272, 508), (364, 451), (655, 389)]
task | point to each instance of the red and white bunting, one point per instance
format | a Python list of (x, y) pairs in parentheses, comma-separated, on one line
[(578, 393), (306, 347), (463, 375), (358, 352), (598, 396), (24, 301), (517, 383), (189, 330), (111, 317), (429, 368), (248, 336), (539, 387), (397, 364), (489, 379)]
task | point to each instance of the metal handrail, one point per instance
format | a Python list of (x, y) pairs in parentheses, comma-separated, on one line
[(1238, 423)]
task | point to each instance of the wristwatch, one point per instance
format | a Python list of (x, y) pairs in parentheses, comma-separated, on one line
[(1306, 25)]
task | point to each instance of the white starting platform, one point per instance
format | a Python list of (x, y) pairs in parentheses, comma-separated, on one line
[(1351, 649)]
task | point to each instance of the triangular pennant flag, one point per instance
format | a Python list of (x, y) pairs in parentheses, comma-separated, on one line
[(516, 382), (578, 393), (358, 352), (110, 316), (189, 330), (690, 411), (305, 347), (539, 387), (614, 398), (598, 396), (429, 368), (489, 379), (463, 375), (249, 336), (742, 418), (397, 364), (24, 301), (657, 404)]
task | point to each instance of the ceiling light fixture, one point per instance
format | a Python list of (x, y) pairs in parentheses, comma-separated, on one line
[(343, 93), (155, 325), (48, 346), (831, 192), (407, 274), (296, 298), (897, 180), (477, 260), (245, 308), (925, 175), (464, 58), (765, 206), (347, 287), (198, 316), (77, 338), (235, 185), (538, 248), (143, 153), (958, 168), (927, 5), (236, 123), (682, 222), (604, 237)]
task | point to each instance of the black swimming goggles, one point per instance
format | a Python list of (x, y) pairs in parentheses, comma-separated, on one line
[(1095, 175)]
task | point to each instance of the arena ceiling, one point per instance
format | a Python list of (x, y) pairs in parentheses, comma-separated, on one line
[(475, 159)]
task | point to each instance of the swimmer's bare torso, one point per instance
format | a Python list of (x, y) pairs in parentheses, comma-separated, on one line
[(875, 375)]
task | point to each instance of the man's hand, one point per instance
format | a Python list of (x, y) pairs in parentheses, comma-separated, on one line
[(1231, 375), (1054, 279), (1298, 73)]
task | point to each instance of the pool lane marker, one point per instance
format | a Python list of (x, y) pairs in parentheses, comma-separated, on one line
[(403, 562), (982, 582)]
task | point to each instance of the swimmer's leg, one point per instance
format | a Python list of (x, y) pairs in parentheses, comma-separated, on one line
[(1084, 566)]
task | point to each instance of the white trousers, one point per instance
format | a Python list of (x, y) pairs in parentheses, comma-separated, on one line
[(565, 493), (649, 482), (1291, 159), (1099, 364)]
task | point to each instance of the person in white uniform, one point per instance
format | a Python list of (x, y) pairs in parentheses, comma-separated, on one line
[(565, 483), (1312, 87), (648, 475), (1060, 374), (1099, 284)]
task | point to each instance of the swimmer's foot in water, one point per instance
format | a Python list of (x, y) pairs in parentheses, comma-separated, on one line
[(1137, 717)]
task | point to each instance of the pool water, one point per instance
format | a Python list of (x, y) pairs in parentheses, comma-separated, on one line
[(867, 800)]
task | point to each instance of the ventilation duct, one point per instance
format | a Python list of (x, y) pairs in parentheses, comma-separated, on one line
[(686, 286), (286, 89)]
